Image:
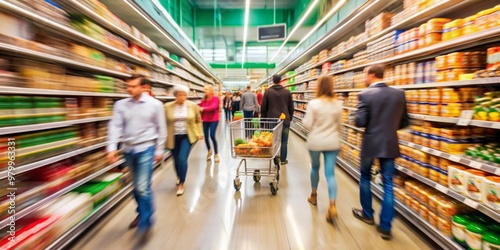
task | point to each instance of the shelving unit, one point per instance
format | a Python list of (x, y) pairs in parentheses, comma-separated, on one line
[(341, 63), (121, 66)]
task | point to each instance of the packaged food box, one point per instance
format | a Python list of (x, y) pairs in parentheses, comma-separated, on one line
[(474, 179), (491, 192)]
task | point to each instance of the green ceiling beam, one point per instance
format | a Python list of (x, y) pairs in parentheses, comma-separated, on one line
[(248, 65), (269, 44)]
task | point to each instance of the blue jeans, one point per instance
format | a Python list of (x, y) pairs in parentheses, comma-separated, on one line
[(330, 158), (229, 114), (180, 153), (141, 167), (284, 142), (248, 125), (365, 194), (209, 129)]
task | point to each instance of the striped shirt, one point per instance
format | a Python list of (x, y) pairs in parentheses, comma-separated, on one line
[(180, 116)]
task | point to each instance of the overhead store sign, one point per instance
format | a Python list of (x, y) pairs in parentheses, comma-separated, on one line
[(268, 33)]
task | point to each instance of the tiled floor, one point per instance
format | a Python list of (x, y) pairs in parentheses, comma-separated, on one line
[(211, 215)]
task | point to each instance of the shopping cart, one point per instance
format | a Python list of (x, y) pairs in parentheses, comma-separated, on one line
[(259, 139)]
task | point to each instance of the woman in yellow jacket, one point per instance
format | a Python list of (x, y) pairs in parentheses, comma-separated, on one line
[(184, 128)]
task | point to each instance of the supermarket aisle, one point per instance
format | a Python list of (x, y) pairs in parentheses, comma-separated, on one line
[(211, 215)]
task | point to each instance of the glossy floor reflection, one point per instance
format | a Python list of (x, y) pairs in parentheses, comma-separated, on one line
[(211, 215)]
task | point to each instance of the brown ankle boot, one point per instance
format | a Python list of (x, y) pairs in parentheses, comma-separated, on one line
[(313, 199), (331, 214)]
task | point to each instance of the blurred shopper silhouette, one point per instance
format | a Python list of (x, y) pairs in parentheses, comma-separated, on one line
[(209, 107)]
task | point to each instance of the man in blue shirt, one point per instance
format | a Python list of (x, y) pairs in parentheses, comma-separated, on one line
[(139, 121)]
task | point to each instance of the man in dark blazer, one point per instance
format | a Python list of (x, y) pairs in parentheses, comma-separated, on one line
[(382, 112)]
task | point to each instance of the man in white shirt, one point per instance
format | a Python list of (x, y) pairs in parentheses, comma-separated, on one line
[(139, 121)]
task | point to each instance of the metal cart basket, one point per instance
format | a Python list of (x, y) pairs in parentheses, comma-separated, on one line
[(256, 138)]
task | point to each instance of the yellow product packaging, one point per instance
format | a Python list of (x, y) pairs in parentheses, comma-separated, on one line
[(469, 25)]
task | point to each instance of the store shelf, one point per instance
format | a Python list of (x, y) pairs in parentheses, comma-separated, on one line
[(301, 110), (27, 167), (69, 236), (298, 117), (69, 33), (487, 167), (432, 232), (300, 101), (51, 125), (473, 82), (298, 133), (349, 108), (52, 197), (350, 145), (477, 123), (464, 42), (302, 81), (53, 92), (480, 207), (354, 127), (32, 54), (302, 91)]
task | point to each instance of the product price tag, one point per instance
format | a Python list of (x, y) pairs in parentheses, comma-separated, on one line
[(471, 203), (465, 118), (427, 150), (411, 144), (410, 173), (497, 171), (455, 158), (441, 188), (418, 117), (475, 164)]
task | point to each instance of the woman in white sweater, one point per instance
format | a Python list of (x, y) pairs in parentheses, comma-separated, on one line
[(323, 120)]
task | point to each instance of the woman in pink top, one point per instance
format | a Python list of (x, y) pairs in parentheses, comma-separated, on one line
[(209, 107)]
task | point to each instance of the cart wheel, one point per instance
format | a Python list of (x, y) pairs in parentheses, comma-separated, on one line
[(256, 175), (274, 188), (237, 184)]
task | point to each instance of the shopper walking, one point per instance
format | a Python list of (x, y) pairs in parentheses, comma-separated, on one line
[(228, 106), (323, 120), (249, 106), (278, 103), (381, 111), (259, 100), (184, 128), (139, 121), (210, 117), (236, 102)]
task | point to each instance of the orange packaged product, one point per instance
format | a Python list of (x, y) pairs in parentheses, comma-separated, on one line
[(441, 75), (443, 179), (458, 60), (434, 202), (433, 218), (476, 59), (436, 25), (434, 175), (434, 160), (454, 74), (408, 200), (474, 179), (435, 110), (424, 212), (444, 226), (442, 62), (423, 95), (435, 95), (483, 19), (432, 38), (469, 25)]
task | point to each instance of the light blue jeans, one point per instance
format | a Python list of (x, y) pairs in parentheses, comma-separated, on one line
[(330, 158), (141, 167)]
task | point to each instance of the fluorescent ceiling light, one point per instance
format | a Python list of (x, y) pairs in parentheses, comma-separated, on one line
[(331, 34), (170, 39), (302, 19), (245, 31)]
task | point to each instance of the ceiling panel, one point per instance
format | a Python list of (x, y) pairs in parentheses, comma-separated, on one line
[(240, 4)]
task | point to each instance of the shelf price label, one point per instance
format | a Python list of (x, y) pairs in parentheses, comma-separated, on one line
[(441, 188), (471, 203), (465, 118), (427, 150), (475, 164), (455, 158)]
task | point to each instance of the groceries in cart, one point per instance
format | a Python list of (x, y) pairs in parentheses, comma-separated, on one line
[(259, 146)]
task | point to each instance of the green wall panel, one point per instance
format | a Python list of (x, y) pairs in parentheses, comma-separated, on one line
[(248, 65)]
